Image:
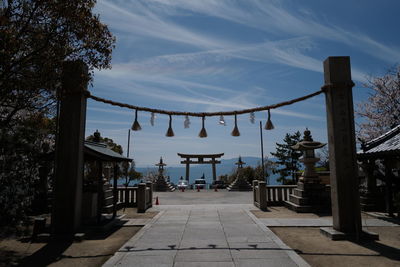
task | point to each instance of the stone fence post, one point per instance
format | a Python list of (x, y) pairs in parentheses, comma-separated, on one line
[(262, 195), (141, 198), (259, 194), (150, 196), (255, 184)]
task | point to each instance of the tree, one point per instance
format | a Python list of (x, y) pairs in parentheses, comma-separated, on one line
[(247, 172), (109, 142), (36, 37), (287, 158), (258, 171), (381, 111), (132, 174), (21, 154), (323, 156)]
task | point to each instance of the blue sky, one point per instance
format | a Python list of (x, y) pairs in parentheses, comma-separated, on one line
[(221, 55)]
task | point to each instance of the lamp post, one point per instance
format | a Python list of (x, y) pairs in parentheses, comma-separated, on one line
[(262, 155)]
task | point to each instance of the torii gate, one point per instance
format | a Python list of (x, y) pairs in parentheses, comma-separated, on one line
[(200, 160), (66, 215)]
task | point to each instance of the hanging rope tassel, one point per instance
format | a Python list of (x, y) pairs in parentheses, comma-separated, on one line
[(235, 131), (186, 123), (203, 132), (170, 132), (136, 125), (252, 117), (152, 118), (268, 124), (222, 120)]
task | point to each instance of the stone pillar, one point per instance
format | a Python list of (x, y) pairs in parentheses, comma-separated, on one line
[(66, 215), (214, 171), (341, 138), (254, 184), (150, 186), (342, 149), (262, 195), (187, 169), (141, 198)]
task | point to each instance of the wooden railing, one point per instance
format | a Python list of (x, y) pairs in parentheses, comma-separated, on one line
[(270, 195), (277, 194), (140, 196), (127, 196)]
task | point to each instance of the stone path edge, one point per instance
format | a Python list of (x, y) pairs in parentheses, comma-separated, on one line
[(292, 254), (118, 256)]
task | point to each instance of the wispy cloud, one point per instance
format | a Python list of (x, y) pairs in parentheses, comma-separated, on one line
[(139, 19), (274, 17), (151, 19), (289, 52)]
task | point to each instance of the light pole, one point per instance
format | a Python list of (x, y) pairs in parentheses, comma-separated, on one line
[(262, 154)]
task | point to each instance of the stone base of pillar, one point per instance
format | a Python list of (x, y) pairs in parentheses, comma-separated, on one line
[(309, 197), (337, 235), (162, 186)]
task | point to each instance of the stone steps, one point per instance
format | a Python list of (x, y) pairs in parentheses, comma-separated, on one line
[(302, 201), (298, 208), (240, 185)]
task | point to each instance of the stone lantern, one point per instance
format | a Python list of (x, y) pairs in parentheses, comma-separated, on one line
[(308, 145), (161, 166), (161, 185), (309, 195), (240, 163), (240, 183)]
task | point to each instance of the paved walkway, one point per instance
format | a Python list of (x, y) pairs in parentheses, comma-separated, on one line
[(287, 222), (205, 235), (320, 222)]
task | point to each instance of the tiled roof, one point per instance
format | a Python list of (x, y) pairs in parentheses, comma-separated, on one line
[(103, 151), (388, 143)]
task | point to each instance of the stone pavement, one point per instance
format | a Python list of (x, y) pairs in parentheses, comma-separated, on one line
[(205, 235), (319, 222)]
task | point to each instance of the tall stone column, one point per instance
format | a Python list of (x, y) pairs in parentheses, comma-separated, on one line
[(187, 169), (342, 149), (66, 216), (214, 171)]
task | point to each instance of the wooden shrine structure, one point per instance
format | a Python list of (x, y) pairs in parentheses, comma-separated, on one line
[(201, 159)]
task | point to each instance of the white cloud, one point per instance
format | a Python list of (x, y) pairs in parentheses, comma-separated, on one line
[(272, 16), (139, 19)]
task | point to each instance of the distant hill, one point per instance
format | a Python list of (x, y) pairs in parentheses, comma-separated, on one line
[(227, 166)]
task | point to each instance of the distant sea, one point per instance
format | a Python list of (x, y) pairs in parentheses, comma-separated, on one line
[(227, 166)]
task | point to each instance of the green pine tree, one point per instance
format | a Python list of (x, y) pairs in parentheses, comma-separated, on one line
[(288, 159)]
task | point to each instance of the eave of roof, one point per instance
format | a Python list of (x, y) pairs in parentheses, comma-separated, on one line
[(102, 152), (387, 144)]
